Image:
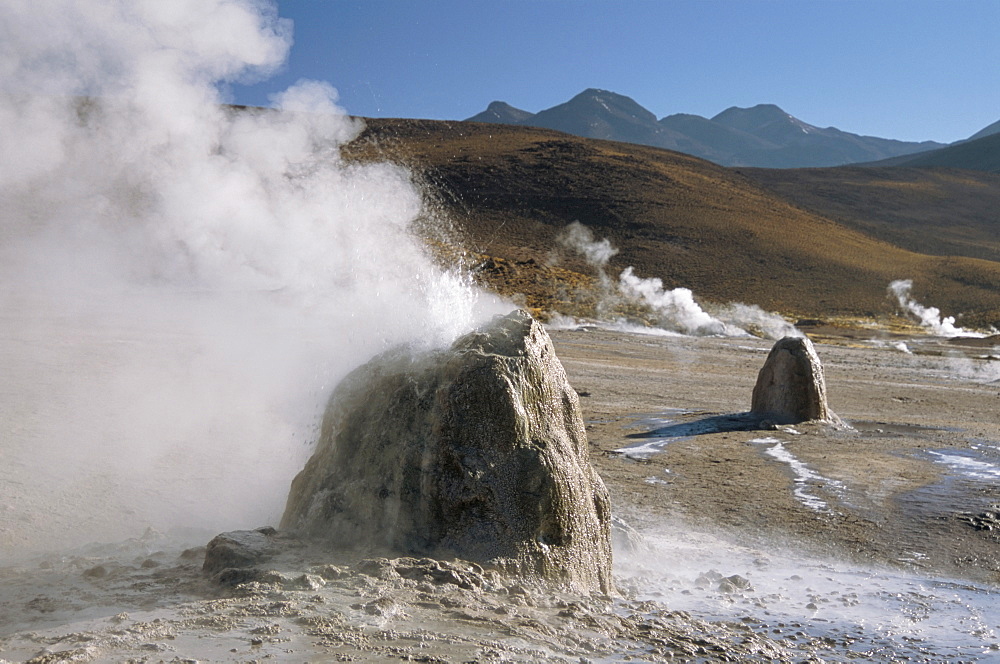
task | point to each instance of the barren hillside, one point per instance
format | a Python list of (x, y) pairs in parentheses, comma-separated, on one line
[(509, 191)]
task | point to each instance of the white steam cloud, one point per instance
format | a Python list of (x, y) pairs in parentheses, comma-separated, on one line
[(181, 283), (929, 317), (676, 310), (580, 239)]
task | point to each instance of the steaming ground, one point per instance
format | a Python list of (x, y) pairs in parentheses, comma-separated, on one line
[(666, 311), (176, 410), (125, 418), (181, 283), (660, 421), (876, 543)]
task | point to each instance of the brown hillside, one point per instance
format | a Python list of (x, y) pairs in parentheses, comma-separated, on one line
[(510, 190), (943, 212)]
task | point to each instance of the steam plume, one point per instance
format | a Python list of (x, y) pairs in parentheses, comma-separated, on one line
[(181, 283), (580, 239), (929, 317), (674, 307), (674, 310)]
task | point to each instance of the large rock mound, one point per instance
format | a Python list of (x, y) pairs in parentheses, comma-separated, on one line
[(790, 386), (477, 452)]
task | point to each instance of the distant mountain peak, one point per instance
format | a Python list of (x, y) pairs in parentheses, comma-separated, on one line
[(757, 117), (612, 103), (758, 112), (598, 92), (500, 112), (596, 113), (764, 135)]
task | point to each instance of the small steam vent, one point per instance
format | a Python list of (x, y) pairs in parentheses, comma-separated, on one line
[(790, 386), (477, 452)]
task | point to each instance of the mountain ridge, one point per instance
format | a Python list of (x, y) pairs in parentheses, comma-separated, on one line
[(763, 135), (988, 130)]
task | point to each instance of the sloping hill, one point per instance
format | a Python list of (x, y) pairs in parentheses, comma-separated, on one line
[(794, 143), (502, 113), (981, 154), (713, 140), (941, 212), (510, 190), (602, 114), (987, 131)]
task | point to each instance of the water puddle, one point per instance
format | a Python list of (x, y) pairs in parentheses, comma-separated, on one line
[(657, 480), (805, 478), (658, 420), (980, 462), (660, 429), (896, 429), (969, 490), (843, 612)]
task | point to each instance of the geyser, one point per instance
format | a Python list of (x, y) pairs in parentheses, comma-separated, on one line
[(790, 386), (180, 280), (477, 451)]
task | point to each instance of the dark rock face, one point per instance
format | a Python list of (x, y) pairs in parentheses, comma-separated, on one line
[(790, 387), (239, 549), (477, 452)]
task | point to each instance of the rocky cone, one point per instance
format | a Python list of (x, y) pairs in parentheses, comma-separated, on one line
[(477, 452), (790, 386)]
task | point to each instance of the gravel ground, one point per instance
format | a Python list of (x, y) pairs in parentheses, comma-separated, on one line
[(911, 482), (872, 542)]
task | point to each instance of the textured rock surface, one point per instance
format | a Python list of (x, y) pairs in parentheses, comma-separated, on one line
[(478, 452), (239, 548), (790, 386)]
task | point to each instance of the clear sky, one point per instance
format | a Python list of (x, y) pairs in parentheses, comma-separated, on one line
[(904, 69)]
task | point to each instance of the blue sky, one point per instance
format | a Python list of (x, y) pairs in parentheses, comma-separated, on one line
[(905, 69)]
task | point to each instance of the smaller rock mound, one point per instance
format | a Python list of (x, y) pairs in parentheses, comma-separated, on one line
[(240, 549), (790, 386)]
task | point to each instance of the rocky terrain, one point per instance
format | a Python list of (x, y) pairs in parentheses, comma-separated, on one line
[(871, 542), (477, 451), (184, 285), (869, 535)]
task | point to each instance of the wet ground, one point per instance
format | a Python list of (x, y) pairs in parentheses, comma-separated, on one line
[(903, 484), (683, 595), (879, 541)]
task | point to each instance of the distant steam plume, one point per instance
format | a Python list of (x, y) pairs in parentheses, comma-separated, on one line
[(580, 239), (929, 317), (181, 283), (673, 310)]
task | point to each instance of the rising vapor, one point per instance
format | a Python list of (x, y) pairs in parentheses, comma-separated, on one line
[(929, 317), (182, 282), (674, 310)]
